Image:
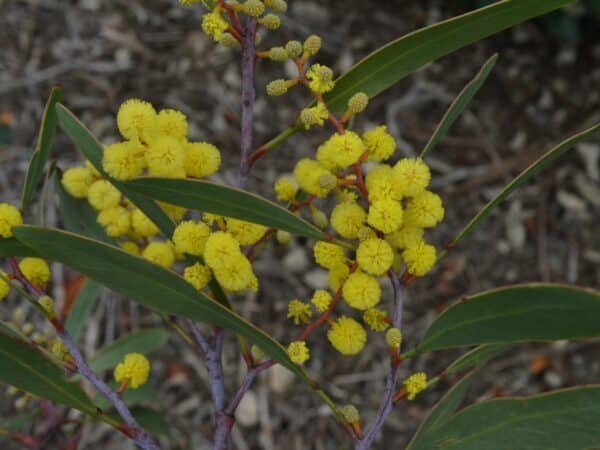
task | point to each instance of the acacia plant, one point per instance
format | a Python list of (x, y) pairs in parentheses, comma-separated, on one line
[(141, 219)]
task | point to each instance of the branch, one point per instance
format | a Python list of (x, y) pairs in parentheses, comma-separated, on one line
[(385, 407), (227, 419), (131, 428), (248, 97), (212, 358)]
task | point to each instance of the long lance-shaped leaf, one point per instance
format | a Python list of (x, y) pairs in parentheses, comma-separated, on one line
[(459, 104), (444, 409), (12, 247), (87, 144), (225, 201), (522, 313), (475, 357), (149, 284), (41, 153), (27, 369), (393, 62), (85, 304), (538, 165), (561, 420)]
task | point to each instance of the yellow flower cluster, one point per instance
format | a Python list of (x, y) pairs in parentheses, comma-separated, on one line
[(133, 371), (9, 217)]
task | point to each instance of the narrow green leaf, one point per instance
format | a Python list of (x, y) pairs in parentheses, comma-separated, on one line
[(225, 201), (87, 144), (27, 369), (477, 356), (78, 215), (459, 104), (546, 159), (144, 341), (522, 313), (35, 172), (443, 409), (560, 420), (391, 63), (153, 421), (84, 306), (12, 247), (157, 288)]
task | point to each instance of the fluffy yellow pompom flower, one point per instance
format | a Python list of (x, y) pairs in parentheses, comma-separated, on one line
[(338, 274), (315, 115), (312, 45), (298, 352), (348, 218), (381, 184), (4, 287), (214, 25), (321, 300), (133, 370), (137, 120), (221, 250), (340, 150), (198, 275), (415, 384), (314, 178), (35, 270), (172, 123), (376, 319), (361, 291), (299, 311), (393, 337), (347, 336), (190, 237), (142, 225), (201, 159), (374, 256), (320, 78), (424, 210), (286, 189), (124, 160), (385, 215), (413, 175), (379, 143), (103, 195), (9, 217), (246, 233), (77, 181), (419, 258), (160, 253), (237, 275), (328, 255), (406, 236), (253, 8), (165, 157), (116, 221)]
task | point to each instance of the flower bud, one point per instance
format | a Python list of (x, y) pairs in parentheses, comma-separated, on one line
[(278, 6), (358, 102), (253, 8), (294, 49), (283, 237), (271, 22), (393, 337), (227, 40), (312, 45), (47, 305), (257, 353), (278, 54), (350, 413), (319, 218)]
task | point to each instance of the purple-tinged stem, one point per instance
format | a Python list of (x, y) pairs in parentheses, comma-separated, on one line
[(386, 405), (212, 358), (248, 97), (133, 429), (227, 419)]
